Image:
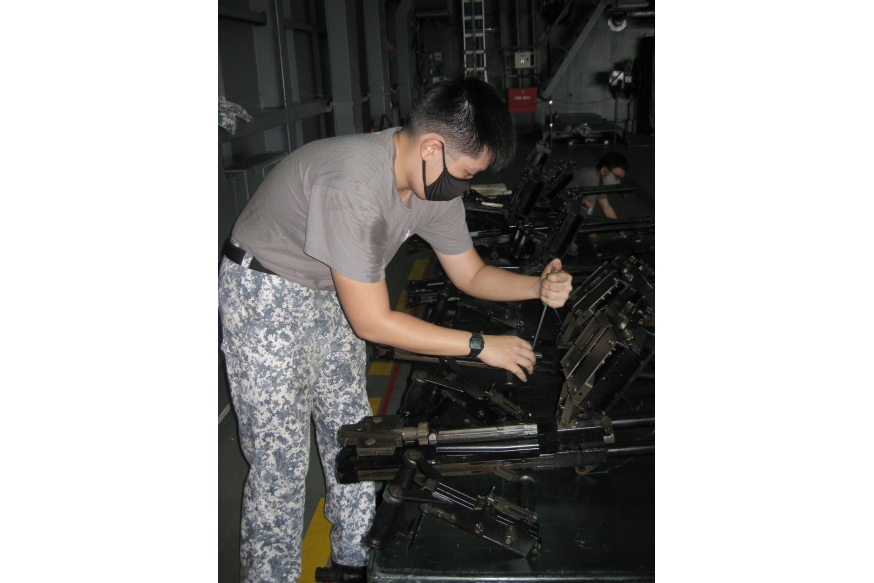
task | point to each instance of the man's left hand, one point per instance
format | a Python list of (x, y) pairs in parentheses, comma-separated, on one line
[(555, 287)]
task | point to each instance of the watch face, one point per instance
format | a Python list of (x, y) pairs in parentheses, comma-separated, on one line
[(477, 343)]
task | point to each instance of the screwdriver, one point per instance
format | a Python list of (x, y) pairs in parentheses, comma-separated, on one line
[(543, 315)]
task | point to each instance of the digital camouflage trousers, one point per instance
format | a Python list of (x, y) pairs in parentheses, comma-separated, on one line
[(290, 355)]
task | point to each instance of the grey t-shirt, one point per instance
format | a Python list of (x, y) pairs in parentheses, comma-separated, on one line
[(585, 178), (334, 203)]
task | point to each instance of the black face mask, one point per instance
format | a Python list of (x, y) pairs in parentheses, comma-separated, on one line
[(447, 186)]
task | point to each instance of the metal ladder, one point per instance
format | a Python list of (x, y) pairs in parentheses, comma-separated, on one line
[(474, 29)]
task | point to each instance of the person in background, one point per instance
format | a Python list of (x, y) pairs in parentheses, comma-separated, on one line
[(610, 169)]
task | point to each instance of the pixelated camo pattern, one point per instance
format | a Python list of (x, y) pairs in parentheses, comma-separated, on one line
[(228, 114), (290, 352)]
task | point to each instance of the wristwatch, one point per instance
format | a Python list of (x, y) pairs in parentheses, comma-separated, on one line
[(476, 345)]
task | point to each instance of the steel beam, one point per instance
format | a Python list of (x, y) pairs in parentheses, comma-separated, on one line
[(375, 38), (288, 54), (575, 49), (256, 18), (402, 33), (345, 80), (303, 27), (317, 65), (506, 41), (309, 108)]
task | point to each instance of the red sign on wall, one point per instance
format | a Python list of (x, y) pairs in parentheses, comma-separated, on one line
[(523, 100)]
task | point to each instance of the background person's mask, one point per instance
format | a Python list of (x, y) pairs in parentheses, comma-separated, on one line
[(610, 180)]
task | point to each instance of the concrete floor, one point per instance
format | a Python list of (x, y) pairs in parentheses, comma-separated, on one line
[(232, 466)]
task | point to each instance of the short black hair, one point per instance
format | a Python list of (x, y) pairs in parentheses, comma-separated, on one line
[(471, 115), (612, 160)]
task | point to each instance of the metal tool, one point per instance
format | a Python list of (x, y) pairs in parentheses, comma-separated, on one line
[(542, 316), (536, 334)]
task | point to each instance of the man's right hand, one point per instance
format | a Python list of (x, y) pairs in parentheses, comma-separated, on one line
[(510, 353)]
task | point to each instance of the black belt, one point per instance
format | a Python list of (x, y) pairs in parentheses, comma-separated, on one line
[(236, 255)]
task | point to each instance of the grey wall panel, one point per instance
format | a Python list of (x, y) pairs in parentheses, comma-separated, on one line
[(328, 126), (404, 60), (246, 147), (318, 10), (310, 129), (391, 7), (325, 65), (239, 71), (344, 63), (306, 74), (362, 45), (366, 118), (242, 191), (221, 80), (275, 140), (299, 10), (376, 41), (227, 210), (226, 157), (267, 56)]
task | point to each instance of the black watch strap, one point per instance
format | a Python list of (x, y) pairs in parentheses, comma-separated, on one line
[(476, 345)]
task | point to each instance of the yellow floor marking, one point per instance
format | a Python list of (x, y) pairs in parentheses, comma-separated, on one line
[(381, 367), (418, 269), (316, 545), (374, 404)]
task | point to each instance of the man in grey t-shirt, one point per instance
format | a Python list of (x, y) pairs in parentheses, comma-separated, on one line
[(303, 285), (609, 170)]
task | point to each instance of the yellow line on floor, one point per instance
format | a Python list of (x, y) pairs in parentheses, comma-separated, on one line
[(316, 545), (374, 404), (418, 269), (381, 367)]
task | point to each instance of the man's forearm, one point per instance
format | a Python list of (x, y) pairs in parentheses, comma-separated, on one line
[(414, 335), (491, 283)]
